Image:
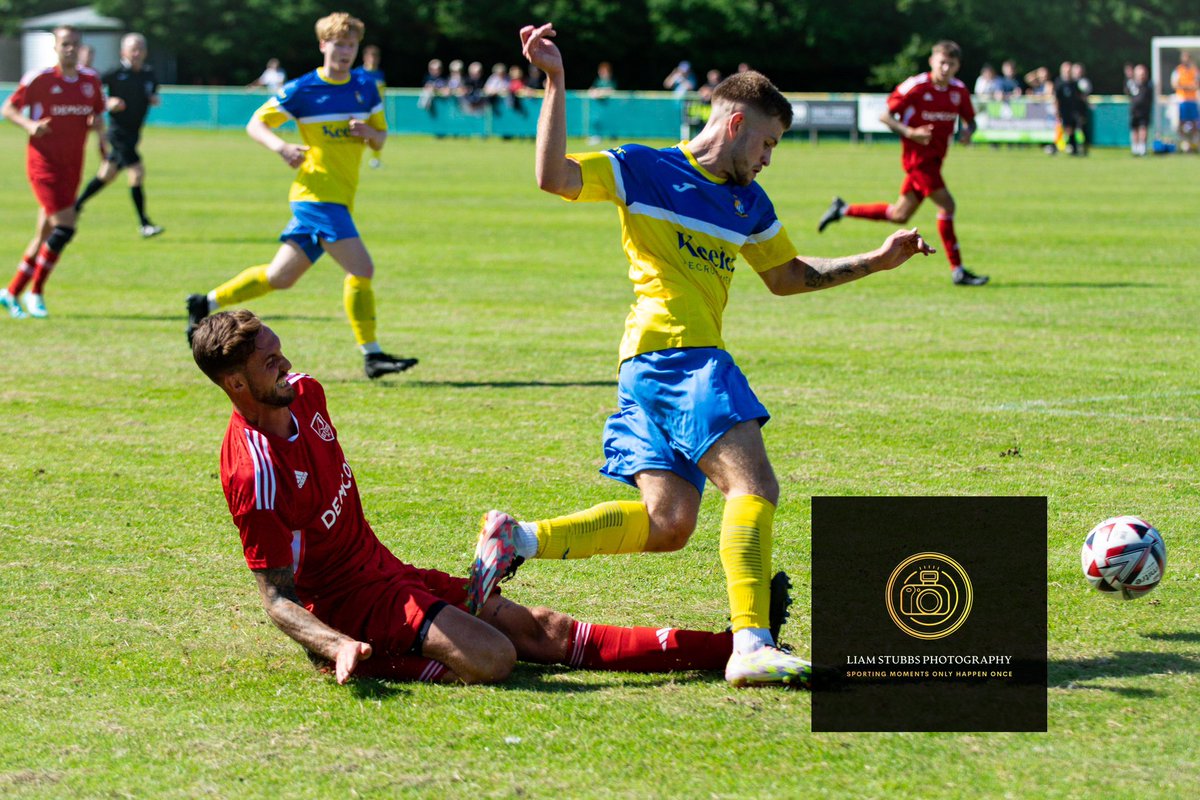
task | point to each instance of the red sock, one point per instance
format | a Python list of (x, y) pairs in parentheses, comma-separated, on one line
[(646, 649), (401, 668), (46, 259), (23, 275), (867, 210), (945, 224)]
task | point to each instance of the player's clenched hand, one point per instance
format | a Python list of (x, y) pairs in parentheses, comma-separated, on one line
[(537, 46), (115, 104), (348, 656), (39, 128), (293, 154), (900, 247), (921, 135), (362, 130)]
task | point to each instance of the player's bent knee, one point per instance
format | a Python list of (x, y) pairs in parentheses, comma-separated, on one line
[(59, 237), (490, 664), (670, 535)]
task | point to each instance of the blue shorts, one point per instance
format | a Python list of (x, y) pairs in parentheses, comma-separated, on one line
[(672, 405), (1189, 111), (312, 222)]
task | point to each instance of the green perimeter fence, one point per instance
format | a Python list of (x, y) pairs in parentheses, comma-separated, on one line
[(630, 115)]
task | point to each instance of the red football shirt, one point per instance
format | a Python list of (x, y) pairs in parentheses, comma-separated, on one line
[(295, 502), (68, 103), (919, 101)]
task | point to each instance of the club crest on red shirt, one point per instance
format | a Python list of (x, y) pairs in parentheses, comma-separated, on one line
[(322, 428)]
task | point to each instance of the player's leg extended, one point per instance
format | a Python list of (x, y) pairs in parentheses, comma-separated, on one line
[(104, 176), (898, 212), (62, 230), (137, 182), (358, 298), (961, 276), (24, 274), (737, 464), (545, 636)]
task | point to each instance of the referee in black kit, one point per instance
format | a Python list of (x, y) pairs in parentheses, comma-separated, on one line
[(132, 89)]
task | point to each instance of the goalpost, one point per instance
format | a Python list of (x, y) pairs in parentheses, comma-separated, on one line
[(1164, 54)]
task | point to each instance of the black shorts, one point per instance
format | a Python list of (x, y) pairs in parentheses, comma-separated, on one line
[(123, 147), (1139, 121)]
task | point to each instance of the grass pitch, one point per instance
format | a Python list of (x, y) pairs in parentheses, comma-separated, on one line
[(137, 662)]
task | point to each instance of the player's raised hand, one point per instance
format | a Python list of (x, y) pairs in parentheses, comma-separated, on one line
[(538, 48), (921, 135), (293, 154), (901, 246), (348, 656)]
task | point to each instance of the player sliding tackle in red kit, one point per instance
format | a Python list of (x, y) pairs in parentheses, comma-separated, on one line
[(927, 106), (330, 584)]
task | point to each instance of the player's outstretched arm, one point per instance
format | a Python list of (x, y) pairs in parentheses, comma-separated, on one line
[(292, 154), (555, 172), (279, 599), (810, 274)]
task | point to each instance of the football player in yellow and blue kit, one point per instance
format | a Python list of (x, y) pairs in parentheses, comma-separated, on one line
[(337, 113), (686, 413), (370, 68)]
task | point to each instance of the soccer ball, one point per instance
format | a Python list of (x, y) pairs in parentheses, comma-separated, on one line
[(1124, 554)]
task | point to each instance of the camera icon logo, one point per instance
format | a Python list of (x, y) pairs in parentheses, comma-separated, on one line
[(929, 595), (926, 597)]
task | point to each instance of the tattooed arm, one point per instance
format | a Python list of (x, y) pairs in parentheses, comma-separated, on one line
[(282, 604), (810, 274)]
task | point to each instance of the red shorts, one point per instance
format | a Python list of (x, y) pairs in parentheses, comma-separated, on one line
[(923, 180), (387, 610), (56, 193)]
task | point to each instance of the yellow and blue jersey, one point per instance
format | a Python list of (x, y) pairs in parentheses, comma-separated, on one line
[(322, 110), (682, 229), (374, 74)]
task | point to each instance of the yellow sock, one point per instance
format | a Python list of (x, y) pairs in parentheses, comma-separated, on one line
[(621, 526), (359, 299), (250, 283), (746, 557)]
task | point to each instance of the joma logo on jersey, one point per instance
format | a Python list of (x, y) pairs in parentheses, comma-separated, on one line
[(330, 515), (717, 257)]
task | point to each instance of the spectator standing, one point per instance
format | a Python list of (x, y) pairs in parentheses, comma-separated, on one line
[(1141, 101), (1067, 102), (711, 79), (1039, 83), (680, 80), (87, 54), (1186, 83), (1009, 83), (272, 78), (433, 86), (604, 84), (985, 85), (1085, 111)]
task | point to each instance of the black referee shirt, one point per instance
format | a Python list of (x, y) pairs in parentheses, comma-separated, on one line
[(135, 87)]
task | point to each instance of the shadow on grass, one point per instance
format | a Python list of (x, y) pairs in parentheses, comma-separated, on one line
[(1070, 673), (1072, 285), (404, 384), (546, 679), (1176, 636)]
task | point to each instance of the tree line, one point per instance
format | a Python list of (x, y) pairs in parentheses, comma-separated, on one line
[(803, 45)]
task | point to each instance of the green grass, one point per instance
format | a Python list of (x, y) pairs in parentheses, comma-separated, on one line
[(137, 661)]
